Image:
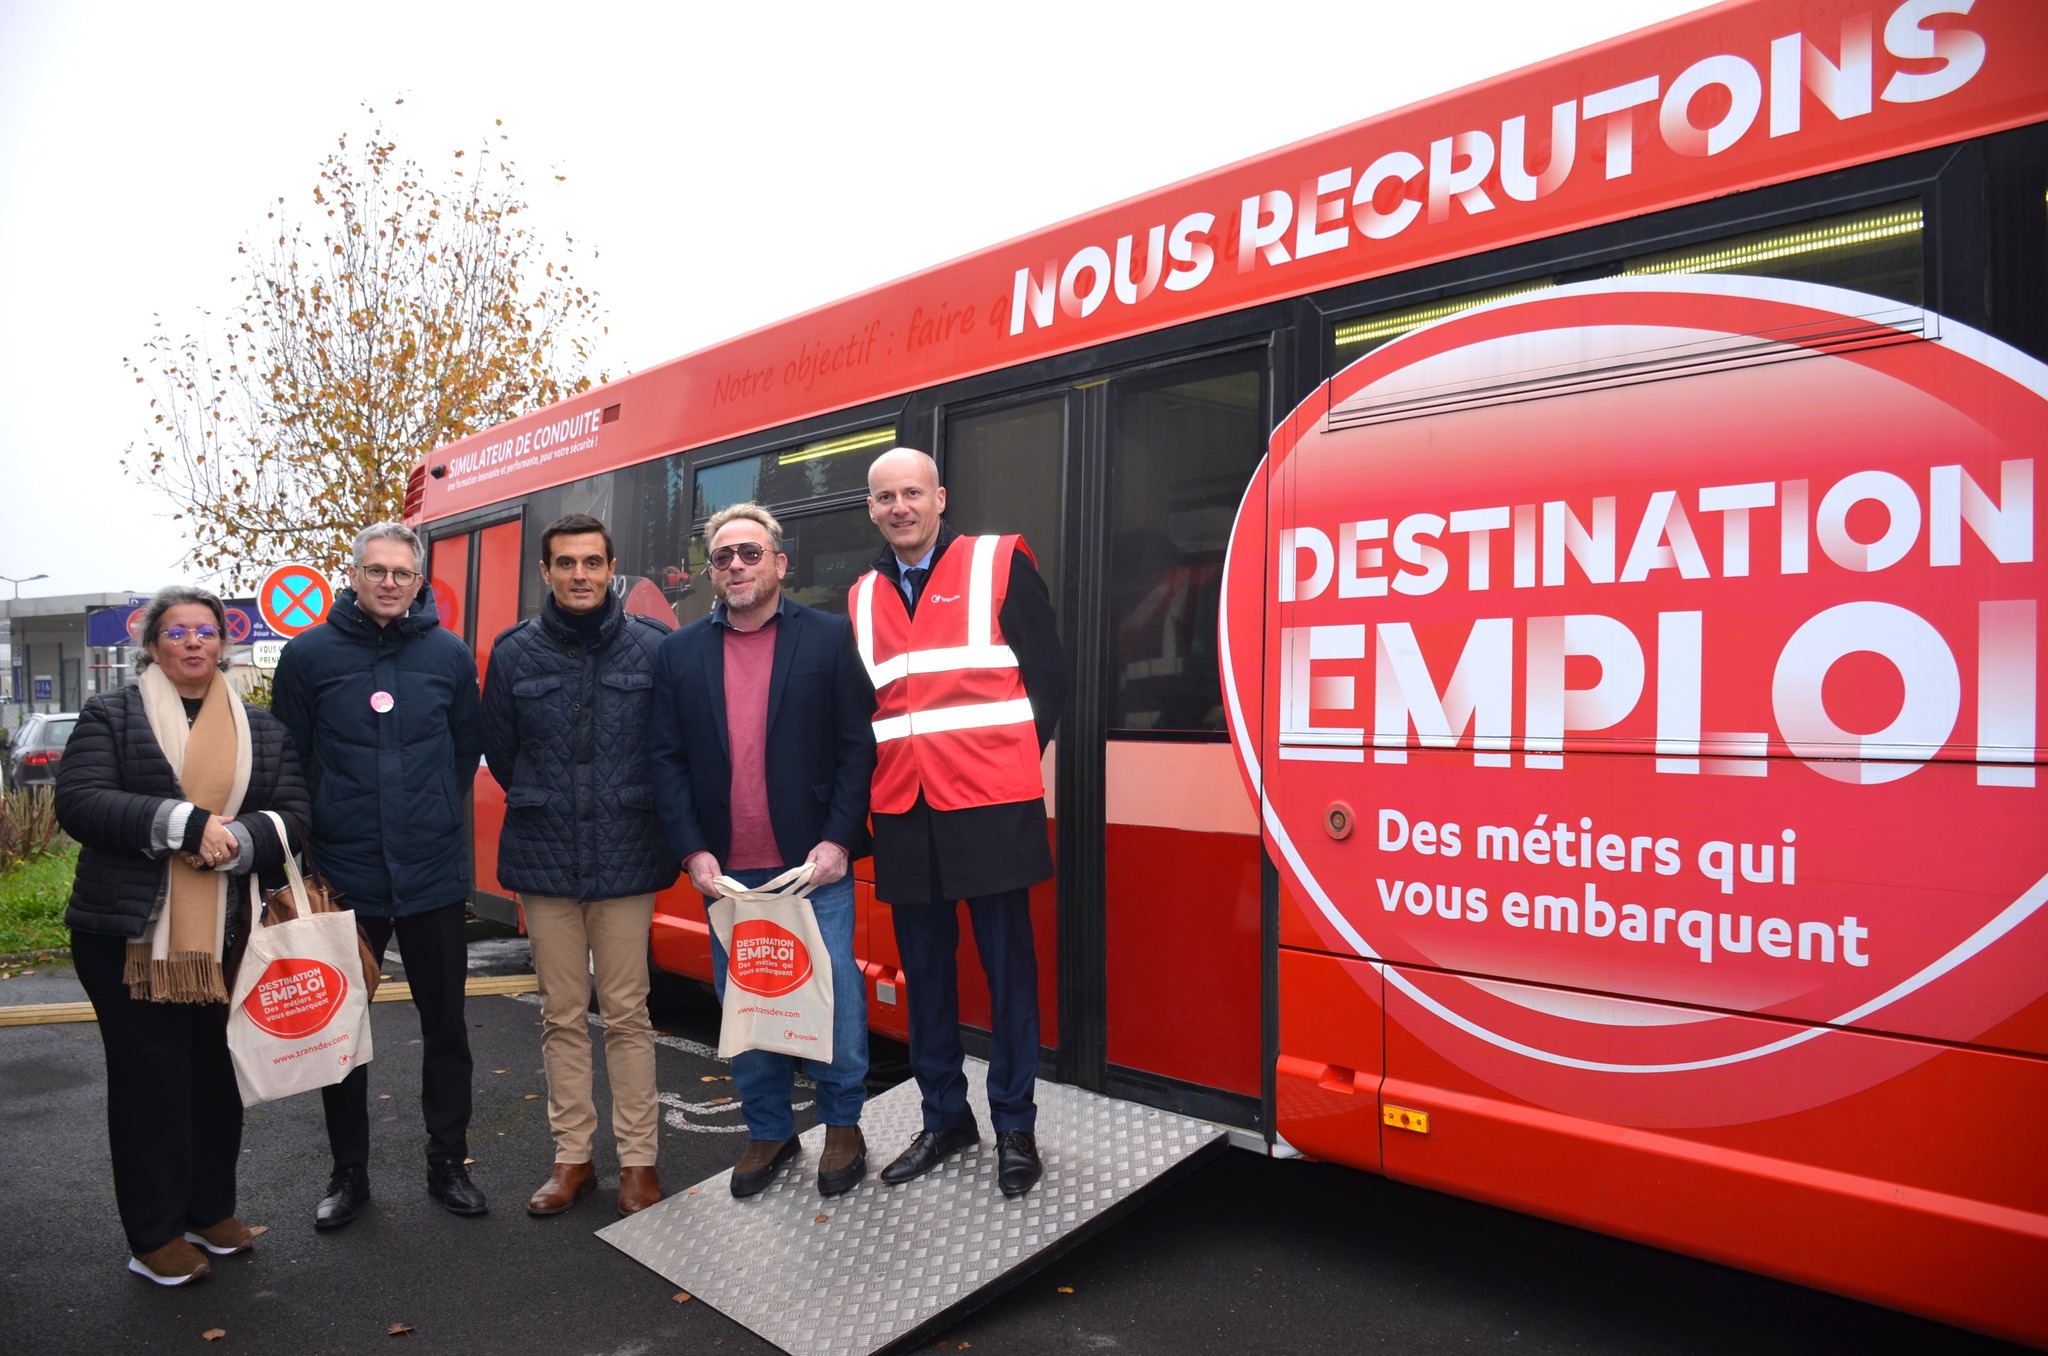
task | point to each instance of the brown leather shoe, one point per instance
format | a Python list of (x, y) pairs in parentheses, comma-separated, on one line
[(756, 1168), (845, 1160), (564, 1185), (638, 1189)]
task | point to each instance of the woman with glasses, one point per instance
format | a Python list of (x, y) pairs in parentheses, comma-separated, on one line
[(162, 785)]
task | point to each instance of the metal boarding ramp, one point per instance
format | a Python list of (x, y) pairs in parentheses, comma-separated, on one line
[(883, 1266)]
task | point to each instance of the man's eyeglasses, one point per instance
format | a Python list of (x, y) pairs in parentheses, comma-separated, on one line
[(176, 634), (748, 551), (377, 574)]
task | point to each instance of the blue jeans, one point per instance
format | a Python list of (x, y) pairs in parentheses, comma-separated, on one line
[(765, 1079)]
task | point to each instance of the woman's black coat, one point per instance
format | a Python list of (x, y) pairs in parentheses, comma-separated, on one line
[(112, 781)]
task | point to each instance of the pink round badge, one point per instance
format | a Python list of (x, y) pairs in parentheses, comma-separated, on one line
[(381, 701)]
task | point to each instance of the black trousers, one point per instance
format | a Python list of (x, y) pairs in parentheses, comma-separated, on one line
[(174, 1113), (436, 965), (928, 940)]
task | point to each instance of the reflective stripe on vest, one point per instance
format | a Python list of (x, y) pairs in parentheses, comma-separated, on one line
[(979, 716)]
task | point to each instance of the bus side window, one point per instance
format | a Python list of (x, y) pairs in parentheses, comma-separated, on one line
[(1183, 446), (1003, 473)]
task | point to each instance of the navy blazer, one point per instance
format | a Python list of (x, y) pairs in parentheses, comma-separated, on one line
[(821, 738)]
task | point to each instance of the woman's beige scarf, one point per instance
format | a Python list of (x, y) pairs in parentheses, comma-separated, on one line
[(178, 959)]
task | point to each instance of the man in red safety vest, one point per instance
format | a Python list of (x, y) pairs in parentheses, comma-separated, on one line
[(960, 641)]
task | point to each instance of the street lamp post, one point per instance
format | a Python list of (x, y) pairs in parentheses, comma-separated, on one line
[(8, 578), (30, 579)]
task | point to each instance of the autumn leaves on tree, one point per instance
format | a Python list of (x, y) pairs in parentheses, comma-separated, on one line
[(395, 315)]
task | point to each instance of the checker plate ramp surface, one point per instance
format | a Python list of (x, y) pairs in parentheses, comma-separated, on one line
[(891, 1263)]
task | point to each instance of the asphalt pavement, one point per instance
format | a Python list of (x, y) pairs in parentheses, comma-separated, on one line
[(1244, 1255)]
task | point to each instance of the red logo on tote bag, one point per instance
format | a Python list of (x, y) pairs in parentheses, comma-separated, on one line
[(296, 997), (768, 960)]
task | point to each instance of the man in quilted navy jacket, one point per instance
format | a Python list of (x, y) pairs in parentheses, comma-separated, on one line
[(567, 706), (382, 705)]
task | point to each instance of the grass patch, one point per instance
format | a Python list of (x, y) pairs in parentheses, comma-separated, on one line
[(32, 900)]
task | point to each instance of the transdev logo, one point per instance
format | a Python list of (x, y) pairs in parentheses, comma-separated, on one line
[(296, 997), (768, 960)]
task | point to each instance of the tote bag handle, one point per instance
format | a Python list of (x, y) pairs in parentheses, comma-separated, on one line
[(795, 883), (291, 865)]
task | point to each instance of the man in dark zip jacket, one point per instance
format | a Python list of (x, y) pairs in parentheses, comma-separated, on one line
[(382, 705), (567, 713)]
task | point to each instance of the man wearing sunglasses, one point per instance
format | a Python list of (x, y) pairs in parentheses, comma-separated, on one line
[(382, 705), (763, 749)]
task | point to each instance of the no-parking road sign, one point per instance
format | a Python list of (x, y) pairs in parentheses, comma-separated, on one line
[(294, 598)]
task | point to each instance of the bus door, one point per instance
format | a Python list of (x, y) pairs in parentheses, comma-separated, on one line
[(1005, 465), (1126, 488), (474, 572)]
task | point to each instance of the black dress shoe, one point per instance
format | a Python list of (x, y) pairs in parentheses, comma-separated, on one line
[(449, 1184), (1017, 1165), (928, 1150), (348, 1191)]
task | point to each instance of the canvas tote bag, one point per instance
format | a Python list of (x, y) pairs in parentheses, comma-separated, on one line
[(299, 1018), (310, 888), (778, 979)]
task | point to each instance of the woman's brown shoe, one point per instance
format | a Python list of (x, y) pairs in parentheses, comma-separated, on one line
[(175, 1263), (638, 1189), (564, 1185), (224, 1239)]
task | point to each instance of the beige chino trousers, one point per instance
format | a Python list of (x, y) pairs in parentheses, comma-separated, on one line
[(605, 940)]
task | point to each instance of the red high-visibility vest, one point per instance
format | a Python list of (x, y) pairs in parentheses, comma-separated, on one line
[(952, 718)]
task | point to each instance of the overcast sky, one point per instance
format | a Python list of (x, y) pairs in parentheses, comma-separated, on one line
[(733, 164)]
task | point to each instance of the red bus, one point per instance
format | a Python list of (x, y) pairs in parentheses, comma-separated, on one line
[(1552, 585)]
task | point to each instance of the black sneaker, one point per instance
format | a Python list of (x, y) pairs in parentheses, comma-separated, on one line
[(449, 1184)]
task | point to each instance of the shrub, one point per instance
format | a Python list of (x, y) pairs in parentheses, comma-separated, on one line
[(28, 825), (32, 900)]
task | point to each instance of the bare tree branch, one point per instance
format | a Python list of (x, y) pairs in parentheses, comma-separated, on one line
[(393, 316)]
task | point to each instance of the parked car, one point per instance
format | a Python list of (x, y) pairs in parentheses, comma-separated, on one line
[(38, 747)]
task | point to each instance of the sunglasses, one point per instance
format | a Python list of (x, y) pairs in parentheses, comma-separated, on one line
[(748, 551), (176, 634)]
